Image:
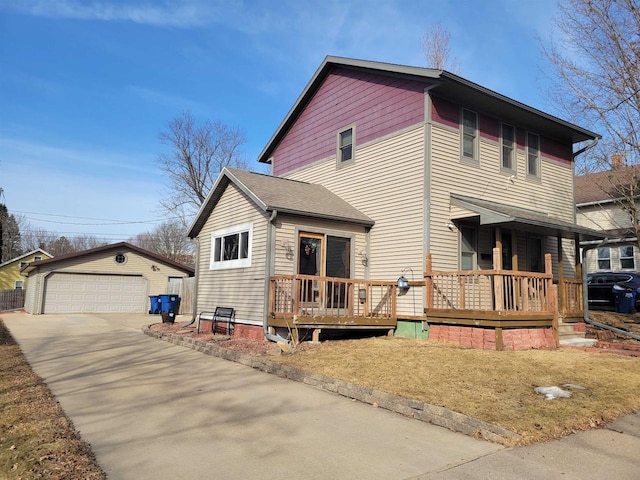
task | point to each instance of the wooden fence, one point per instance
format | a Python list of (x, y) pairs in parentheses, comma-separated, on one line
[(186, 291), (11, 299)]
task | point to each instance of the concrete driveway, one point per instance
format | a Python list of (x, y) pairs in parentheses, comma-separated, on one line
[(154, 410)]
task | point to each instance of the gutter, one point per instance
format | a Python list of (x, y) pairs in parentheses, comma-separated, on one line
[(269, 264)]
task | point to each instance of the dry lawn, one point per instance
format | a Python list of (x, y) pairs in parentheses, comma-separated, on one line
[(496, 387), (37, 440)]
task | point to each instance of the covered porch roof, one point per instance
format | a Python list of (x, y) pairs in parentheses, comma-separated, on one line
[(507, 216)]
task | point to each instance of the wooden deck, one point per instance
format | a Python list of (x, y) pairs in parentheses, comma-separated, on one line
[(497, 299)]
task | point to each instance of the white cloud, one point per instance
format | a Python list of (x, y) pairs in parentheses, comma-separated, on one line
[(171, 14)]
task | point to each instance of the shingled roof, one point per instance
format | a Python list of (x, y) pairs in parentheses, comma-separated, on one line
[(271, 193), (599, 186)]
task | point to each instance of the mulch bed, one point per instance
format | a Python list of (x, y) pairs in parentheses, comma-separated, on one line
[(244, 345)]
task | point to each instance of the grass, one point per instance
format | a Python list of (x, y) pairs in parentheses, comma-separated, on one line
[(496, 387), (37, 440)]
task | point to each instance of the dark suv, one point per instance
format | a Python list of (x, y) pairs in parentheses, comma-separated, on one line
[(600, 287)]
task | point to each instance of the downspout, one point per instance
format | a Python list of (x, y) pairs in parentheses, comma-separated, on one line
[(269, 263)]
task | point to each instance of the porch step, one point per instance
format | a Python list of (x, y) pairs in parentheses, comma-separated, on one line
[(578, 342), (568, 331)]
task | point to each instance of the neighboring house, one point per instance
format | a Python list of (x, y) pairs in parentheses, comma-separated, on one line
[(598, 207), (10, 276), (420, 170), (116, 278)]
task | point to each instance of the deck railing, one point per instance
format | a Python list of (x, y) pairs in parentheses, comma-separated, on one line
[(311, 296), (489, 290), (572, 291)]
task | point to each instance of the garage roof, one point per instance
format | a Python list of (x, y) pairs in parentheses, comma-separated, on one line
[(114, 246)]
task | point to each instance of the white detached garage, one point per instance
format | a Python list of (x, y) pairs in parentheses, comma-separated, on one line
[(115, 278)]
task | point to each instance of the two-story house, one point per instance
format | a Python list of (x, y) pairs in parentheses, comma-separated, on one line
[(599, 207), (10, 276), (386, 177)]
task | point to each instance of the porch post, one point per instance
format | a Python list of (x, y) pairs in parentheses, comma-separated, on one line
[(428, 279), (560, 274), (498, 266), (514, 251), (498, 287)]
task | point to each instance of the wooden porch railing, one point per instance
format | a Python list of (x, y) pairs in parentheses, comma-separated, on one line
[(571, 298), (489, 290), (340, 298)]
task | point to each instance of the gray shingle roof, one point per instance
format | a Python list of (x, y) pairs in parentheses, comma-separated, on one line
[(286, 196)]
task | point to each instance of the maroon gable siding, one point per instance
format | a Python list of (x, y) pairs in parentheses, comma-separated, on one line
[(377, 105)]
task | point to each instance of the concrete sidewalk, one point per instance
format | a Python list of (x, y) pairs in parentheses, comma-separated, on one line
[(154, 410)]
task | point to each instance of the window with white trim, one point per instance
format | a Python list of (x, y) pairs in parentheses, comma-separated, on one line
[(346, 145), (231, 247), (37, 258), (627, 257), (604, 258), (533, 155), (508, 140), (469, 134), (19, 284)]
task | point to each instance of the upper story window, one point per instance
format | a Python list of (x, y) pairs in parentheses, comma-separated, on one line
[(533, 155), (346, 145), (604, 258), (23, 264), (231, 247), (469, 134), (37, 258), (508, 139), (627, 257)]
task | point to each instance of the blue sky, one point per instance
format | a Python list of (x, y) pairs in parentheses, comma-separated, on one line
[(85, 86)]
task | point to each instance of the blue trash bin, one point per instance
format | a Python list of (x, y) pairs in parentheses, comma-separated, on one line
[(625, 298), (169, 303), (155, 304)]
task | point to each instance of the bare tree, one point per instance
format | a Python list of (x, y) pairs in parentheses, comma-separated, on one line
[(435, 45), (597, 64), (168, 239), (198, 154)]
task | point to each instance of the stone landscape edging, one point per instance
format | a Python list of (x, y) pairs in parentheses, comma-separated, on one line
[(417, 409)]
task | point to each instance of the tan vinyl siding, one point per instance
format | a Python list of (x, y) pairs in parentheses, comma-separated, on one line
[(240, 288), (386, 182), (606, 216), (592, 259), (136, 264), (287, 228), (32, 293), (449, 174)]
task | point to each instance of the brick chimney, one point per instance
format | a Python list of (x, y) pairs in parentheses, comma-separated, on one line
[(617, 161)]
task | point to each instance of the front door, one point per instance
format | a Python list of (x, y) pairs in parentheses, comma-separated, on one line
[(324, 256)]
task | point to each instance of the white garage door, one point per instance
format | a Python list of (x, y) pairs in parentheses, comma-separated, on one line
[(78, 293)]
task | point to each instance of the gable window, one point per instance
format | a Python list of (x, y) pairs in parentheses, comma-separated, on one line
[(604, 258), (37, 258), (19, 284), (231, 247), (467, 248), (346, 145), (533, 155), (469, 134), (627, 257), (507, 138), (120, 258)]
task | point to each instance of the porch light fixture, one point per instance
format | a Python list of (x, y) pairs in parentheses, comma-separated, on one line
[(403, 283), (364, 258)]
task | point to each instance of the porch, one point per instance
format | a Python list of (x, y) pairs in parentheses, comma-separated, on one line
[(494, 301)]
